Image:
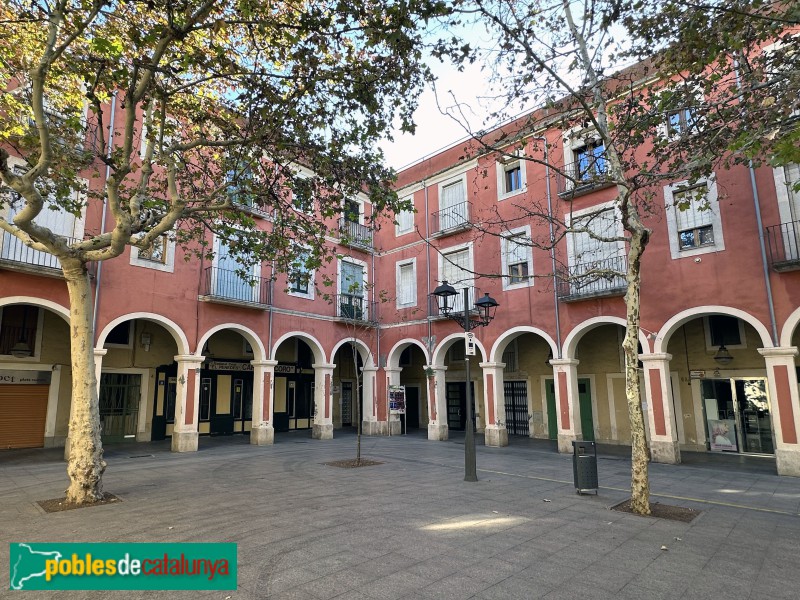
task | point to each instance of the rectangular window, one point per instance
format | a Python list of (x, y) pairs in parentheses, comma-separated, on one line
[(724, 330), (456, 270), (300, 275), (405, 221), (693, 216), (352, 211), (513, 178), (590, 161), (18, 330), (406, 284), (510, 357), (517, 255), (452, 206), (156, 252), (680, 121)]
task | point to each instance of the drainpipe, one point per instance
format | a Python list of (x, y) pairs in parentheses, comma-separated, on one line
[(428, 272), (271, 301), (552, 241), (110, 147), (760, 226)]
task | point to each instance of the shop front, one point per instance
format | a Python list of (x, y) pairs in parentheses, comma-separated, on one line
[(737, 415)]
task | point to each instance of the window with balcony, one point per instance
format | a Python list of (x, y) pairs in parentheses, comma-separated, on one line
[(596, 256), (693, 219), (517, 259), (455, 267), (585, 166), (352, 230), (229, 281), (351, 302), (783, 239), (453, 214)]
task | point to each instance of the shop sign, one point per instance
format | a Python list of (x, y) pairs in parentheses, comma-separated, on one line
[(291, 369), (25, 377), (221, 365), (697, 374)]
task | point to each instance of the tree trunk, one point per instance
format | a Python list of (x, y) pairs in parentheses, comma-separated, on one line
[(640, 485), (86, 465)]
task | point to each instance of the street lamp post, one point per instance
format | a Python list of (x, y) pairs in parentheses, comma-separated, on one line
[(482, 316)]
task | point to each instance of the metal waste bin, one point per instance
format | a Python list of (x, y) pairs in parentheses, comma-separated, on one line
[(584, 466)]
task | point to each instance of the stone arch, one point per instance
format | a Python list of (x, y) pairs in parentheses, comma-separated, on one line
[(363, 350), (500, 344), (316, 347), (393, 360), (444, 346), (787, 333), (174, 329), (60, 310), (259, 353), (571, 343), (662, 339)]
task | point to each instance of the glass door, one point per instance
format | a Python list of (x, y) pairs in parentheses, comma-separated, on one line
[(754, 419), (738, 417)]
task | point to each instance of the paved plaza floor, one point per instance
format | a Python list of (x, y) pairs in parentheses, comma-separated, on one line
[(412, 528)]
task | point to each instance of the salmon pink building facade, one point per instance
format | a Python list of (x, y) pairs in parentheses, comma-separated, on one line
[(185, 347)]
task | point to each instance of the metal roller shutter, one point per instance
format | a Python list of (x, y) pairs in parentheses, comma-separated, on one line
[(23, 410)]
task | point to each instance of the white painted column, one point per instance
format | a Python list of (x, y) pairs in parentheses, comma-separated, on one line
[(565, 375), (437, 403), (392, 378), (323, 407), (187, 403), (661, 418), (262, 431), (784, 407), (496, 432), (370, 425), (98, 369)]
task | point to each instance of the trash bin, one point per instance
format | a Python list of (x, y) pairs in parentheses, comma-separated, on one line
[(584, 466)]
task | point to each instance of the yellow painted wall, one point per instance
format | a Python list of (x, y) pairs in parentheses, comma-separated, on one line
[(223, 395), (280, 394), (532, 354)]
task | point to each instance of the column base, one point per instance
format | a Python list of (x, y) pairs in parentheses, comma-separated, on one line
[(788, 462), (395, 427), (496, 435), (262, 436), (668, 453), (565, 442), (184, 441), (437, 433), (322, 432), (374, 428)]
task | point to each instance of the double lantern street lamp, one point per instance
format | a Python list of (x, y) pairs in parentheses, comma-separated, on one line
[(479, 316)]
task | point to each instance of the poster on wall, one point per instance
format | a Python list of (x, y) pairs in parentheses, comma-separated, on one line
[(397, 399), (722, 435)]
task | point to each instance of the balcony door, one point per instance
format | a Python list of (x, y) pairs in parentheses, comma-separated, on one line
[(453, 206), (351, 289), (55, 219), (226, 282), (592, 256), (791, 231)]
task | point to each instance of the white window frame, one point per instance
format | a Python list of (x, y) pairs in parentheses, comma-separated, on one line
[(713, 347), (365, 270), (663, 129), (399, 229), (398, 283), (504, 240), (309, 295), (505, 164), (574, 139), (448, 182), (597, 208), (470, 282), (168, 266), (360, 203), (777, 46), (783, 195), (672, 219)]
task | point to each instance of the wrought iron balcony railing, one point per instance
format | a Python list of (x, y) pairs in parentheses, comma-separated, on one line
[(457, 301), (452, 219), (15, 254), (582, 177), (593, 279), (355, 234), (783, 245), (352, 307), (228, 287)]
